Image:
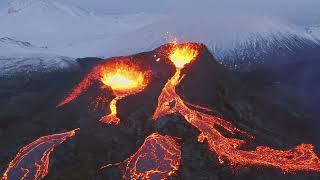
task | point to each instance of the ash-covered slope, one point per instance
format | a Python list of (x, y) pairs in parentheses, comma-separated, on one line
[(292, 88)]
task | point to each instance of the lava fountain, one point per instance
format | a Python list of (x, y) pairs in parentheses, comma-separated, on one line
[(158, 158), (229, 150), (32, 161), (124, 80), (122, 76)]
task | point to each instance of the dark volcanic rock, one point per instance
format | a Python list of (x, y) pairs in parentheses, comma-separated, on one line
[(28, 111), (207, 83)]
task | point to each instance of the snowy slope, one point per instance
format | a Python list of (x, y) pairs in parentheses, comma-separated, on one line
[(313, 30), (27, 63), (11, 46), (56, 25), (35, 34), (234, 46), (58, 29)]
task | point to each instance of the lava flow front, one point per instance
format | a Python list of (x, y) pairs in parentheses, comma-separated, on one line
[(158, 158), (32, 161), (122, 76), (301, 158)]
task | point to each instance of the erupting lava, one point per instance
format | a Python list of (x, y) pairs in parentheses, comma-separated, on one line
[(32, 161), (123, 77), (301, 158), (182, 54), (158, 158), (124, 80)]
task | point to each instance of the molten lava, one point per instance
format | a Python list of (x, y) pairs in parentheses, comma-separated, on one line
[(122, 76), (158, 158), (32, 161), (182, 54), (124, 79), (301, 158)]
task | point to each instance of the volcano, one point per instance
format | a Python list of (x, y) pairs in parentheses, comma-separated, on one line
[(169, 113)]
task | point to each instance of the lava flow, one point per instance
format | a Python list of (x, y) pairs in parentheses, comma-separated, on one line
[(180, 55), (300, 158), (122, 76), (158, 158), (32, 161)]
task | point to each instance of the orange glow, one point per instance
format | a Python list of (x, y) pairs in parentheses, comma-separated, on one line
[(124, 79), (228, 150), (32, 161), (166, 97), (158, 158), (182, 54), (122, 76), (112, 118)]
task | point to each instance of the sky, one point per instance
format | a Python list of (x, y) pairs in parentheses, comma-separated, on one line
[(301, 11), (212, 20), (286, 8)]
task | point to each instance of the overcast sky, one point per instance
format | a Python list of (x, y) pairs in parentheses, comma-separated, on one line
[(163, 5), (287, 9)]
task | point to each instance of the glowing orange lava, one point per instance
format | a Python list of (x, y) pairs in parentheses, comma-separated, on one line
[(182, 54), (158, 158), (179, 55), (123, 77), (301, 158), (32, 161)]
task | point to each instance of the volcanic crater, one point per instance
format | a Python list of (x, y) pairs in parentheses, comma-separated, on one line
[(186, 121)]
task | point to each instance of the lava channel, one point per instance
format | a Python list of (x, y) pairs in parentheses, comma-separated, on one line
[(158, 158), (300, 158), (32, 161), (122, 76)]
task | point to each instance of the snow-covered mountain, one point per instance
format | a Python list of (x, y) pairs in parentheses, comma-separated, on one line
[(58, 25), (264, 40), (29, 63), (45, 6), (265, 49), (60, 29), (11, 46), (55, 29)]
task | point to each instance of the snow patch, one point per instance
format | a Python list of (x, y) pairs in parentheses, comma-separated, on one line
[(34, 63)]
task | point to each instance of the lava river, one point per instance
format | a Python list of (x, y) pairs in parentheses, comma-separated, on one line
[(160, 155), (158, 158), (300, 158), (32, 161)]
